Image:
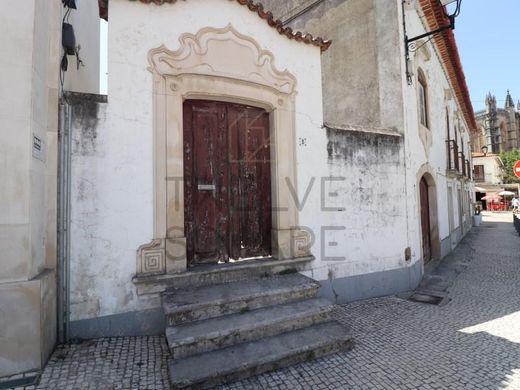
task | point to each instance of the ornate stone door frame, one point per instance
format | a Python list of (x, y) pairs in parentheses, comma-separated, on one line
[(223, 65)]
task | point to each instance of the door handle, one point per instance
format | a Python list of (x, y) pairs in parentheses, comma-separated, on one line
[(206, 187)]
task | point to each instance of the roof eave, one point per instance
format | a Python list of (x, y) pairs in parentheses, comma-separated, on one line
[(447, 46), (255, 7)]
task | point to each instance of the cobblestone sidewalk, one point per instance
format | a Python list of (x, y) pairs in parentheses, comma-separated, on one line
[(472, 342)]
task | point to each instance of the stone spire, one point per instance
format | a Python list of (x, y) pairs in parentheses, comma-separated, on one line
[(509, 101), (491, 102)]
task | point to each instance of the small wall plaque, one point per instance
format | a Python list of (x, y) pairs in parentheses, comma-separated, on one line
[(38, 148)]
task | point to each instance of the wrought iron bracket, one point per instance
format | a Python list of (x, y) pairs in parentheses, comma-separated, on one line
[(410, 44)]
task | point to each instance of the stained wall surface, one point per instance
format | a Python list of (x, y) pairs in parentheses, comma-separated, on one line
[(30, 39), (112, 172), (361, 71), (360, 153)]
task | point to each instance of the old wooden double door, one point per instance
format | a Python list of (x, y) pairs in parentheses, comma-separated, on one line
[(425, 220), (227, 181)]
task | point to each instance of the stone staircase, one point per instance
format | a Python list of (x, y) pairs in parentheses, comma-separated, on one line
[(224, 332)]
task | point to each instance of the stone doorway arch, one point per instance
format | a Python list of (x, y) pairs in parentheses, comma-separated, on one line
[(428, 215)]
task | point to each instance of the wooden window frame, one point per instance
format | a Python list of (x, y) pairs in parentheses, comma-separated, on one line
[(422, 89)]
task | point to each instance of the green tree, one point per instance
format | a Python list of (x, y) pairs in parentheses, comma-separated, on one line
[(509, 159)]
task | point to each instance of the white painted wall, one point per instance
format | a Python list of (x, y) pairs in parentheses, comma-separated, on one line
[(429, 61), (370, 209), (113, 172), (492, 168), (113, 177), (28, 106), (15, 129), (30, 32)]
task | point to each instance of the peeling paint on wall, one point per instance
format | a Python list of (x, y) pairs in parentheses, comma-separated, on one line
[(85, 111), (356, 147)]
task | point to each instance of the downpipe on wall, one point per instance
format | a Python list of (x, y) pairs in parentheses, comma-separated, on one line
[(64, 188)]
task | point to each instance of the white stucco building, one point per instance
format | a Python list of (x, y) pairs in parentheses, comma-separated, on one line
[(122, 143), (228, 136), (392, 125), (30, 89), (350, 179), (488, 171)]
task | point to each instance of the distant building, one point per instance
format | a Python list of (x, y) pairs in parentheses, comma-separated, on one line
[(498, 131), (487, 169), (487, 173), (498, 128)]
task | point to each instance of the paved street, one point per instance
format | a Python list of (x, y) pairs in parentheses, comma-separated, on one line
[(470, 342)]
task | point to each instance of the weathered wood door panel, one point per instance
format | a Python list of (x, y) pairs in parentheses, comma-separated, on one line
[(206, 180), (425, 220), (250, 182), (226, 181)]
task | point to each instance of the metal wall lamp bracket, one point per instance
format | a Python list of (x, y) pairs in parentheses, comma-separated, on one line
[(451, 26), (410, 44)]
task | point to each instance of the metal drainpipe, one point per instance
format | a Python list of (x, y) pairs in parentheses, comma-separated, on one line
[(69, 154), (61, 257), (64, 186)]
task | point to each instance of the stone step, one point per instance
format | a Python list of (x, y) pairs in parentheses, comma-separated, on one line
[(202, 336), (255, 357), (200, 303), (205, 275)]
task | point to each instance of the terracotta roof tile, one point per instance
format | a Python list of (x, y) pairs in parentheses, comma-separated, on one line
[(253, 6), (447, 46)]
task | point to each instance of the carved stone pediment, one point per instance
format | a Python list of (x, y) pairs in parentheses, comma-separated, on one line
[(224, 53)]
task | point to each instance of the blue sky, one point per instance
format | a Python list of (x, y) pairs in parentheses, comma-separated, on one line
[(488, 38)]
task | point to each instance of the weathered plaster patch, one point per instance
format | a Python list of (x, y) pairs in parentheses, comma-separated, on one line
[(85, 111), (359, 146)]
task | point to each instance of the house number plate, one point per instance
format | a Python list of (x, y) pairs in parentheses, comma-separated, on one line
[(206, 187)]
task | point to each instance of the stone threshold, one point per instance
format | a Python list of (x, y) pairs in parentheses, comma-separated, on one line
[(220, 273)]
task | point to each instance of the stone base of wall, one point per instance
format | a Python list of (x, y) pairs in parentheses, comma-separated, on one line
[(456, 236), (354, 288), (450, 243), (446, 246), (27, 324), (150, 322)]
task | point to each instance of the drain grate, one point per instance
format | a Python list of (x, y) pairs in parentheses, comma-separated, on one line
[(426, 298), (26, 380)]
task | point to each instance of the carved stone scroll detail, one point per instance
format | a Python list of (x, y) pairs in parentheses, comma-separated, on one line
[(221, 52), (301, 243), (151, 259)]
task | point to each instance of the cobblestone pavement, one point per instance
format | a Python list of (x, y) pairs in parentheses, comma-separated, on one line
[(471, 342)]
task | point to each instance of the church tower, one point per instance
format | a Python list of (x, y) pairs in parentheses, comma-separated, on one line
[(509, 101), (511, 131), (493, 136)]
